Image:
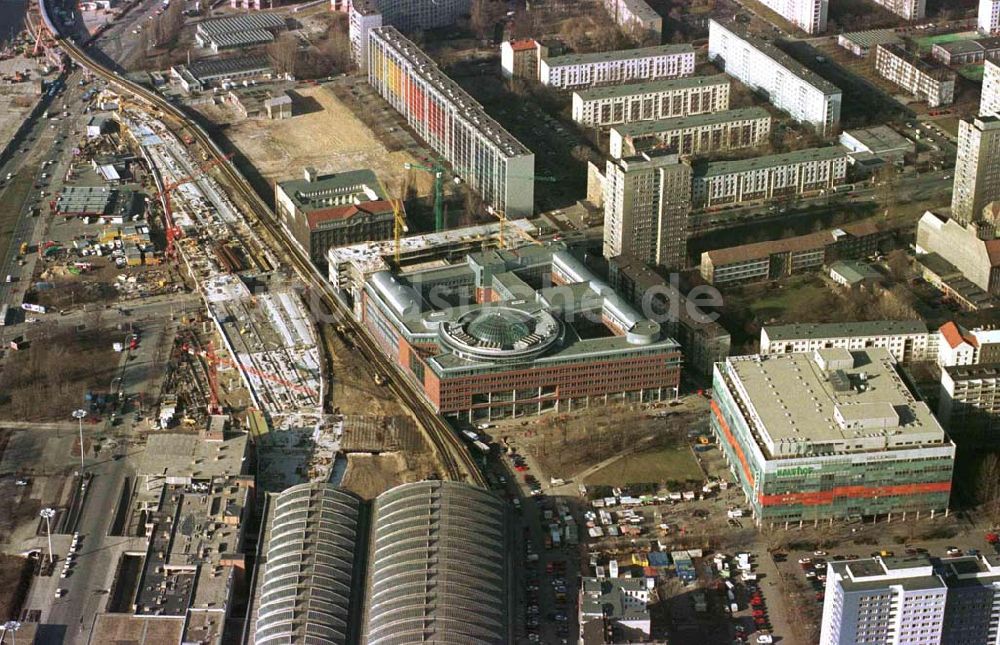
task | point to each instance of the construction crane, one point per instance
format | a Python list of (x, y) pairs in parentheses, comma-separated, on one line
[(437, 170), (398, 220), (173, 232)]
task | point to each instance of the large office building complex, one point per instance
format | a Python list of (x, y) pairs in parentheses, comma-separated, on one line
[(689, 135), (320, 211), (487, 157), (905, 9), (793, 174), (834, 434), (806, 96), (652, 101), (647, 200), (988, 20), (517, 332), (573, 71), (807, 15), (914, 600), (977, 176), (925, 80), (405, 15), (906, 340)]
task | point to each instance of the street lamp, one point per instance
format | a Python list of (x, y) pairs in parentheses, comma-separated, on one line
[(10, 626), (78, 415), (48, 514)]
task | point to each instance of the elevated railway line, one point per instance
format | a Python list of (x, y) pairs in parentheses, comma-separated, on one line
[(456, 459)]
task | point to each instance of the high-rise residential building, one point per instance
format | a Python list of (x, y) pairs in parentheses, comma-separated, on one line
[(573, 71), (805, 95), (989, 16), (915, 600), (647, 200), (989, 101), (405, 15), (807, 15), (925, 80), (905, 9), (969, 402), (519, 58), (487, 157), (637, 17), (829, 435), (977, 175), (699, 134), (651, 101)]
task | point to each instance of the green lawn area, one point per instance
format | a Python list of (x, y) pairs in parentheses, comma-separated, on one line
[(660, 464), (972, 72), (927, 42), (779, 298)]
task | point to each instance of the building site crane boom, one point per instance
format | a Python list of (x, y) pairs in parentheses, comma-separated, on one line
[(172, 231)]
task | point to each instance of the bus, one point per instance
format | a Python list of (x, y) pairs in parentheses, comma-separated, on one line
[(481, 447)]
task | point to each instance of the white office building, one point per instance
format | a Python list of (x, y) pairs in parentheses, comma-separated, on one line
[(807, 15), (906, 340), (699, 134), (989, 16), (977, 174), (574, 71), (905, 9), (915, 600), (647, 201), (806, 96), (651, 101)]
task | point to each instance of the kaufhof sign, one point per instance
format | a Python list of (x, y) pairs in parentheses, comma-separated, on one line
[(797, 471)]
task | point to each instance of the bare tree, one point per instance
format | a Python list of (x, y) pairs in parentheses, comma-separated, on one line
[(483, 17), (283, 53)]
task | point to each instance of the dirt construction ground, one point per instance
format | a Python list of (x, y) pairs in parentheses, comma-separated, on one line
[(325, 134)]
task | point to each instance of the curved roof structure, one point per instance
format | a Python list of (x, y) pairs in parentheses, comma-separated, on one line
[(498, 333), (438, 570), (309, 575)]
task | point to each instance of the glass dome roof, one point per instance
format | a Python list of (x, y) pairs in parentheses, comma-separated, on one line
[(500, 328)]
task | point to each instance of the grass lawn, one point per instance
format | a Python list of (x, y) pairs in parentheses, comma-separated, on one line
[(655, 465), (779, 298), (972, 72), (927, 42)]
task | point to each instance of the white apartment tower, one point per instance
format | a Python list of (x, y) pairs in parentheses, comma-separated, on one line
[(647, 200), (807, 15), (989, 102), (905, 9), (915, 600), (989, 16), (977, 174), (806, 96)]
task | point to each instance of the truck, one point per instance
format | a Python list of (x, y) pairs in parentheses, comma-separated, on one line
[(556, 537), (38, 309)]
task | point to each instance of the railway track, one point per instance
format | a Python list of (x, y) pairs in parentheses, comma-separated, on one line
[(456, 458)]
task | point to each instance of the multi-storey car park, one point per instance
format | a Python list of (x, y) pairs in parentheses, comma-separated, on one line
[(573, 71), (651, 101), (518, 332), (405, 15), (830, 435), (792, 174), (487, 157), (806, 96), (699, 134)]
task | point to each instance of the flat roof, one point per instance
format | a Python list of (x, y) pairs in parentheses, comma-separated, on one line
[(643, 128), (793, 404), (719, 168), (610, 597), (620, 54), (217, 67), (651, 87), (798, 331), (854, 271), (137, 630), (329, 190), (973, 372), (872, 37), (242, 38), (933, 70), (761, 250), (258, 20), (641, 9), (171, 454), (880, 138), (779, 57)]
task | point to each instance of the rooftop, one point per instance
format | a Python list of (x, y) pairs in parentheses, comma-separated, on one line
[(973, 372), (644, 128), (718, 168), (610, 598), (621, 54), (854, 272), (830, 402), (969, 46), (929, 68), (845, 329), (191, 457), (244, 22), (210, 68), (873, 37), (651, 87), (879, 139), (779, 57)]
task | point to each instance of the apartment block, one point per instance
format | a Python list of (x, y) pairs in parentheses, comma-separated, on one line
[(969, 401), (493, 163), (519, 58), (905, 9), (989, 101), (700, 134), (916, 600), (924, 80), (806, 96), (906, 340), (574, 71), (946, 246), (807, 15), (977, 176), (651, 101), (647, 201), (959, 346), (405, 15), (636, 17), (793, 174), (988, 20)]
